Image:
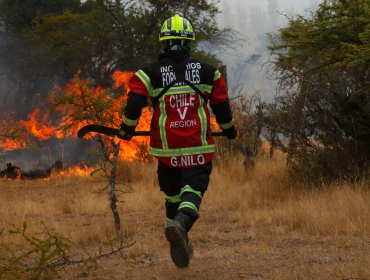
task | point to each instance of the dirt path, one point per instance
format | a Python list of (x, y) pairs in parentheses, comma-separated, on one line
[(225, 249)]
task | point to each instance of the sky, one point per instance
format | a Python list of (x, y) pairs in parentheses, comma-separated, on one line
[(253, 19)]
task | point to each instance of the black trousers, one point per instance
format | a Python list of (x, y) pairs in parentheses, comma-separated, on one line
[(184, 189)]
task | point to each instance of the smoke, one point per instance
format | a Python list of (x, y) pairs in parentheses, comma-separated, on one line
[(70, 151), (248, 65), (18, 97), (4, 81)]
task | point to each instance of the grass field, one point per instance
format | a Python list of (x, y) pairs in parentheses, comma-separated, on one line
[(254, 224)]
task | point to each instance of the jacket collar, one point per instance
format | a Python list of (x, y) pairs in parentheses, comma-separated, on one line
[(174, 55)]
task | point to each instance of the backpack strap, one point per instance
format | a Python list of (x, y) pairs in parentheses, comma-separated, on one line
[(178, 73), (195, 88), (166, 88)]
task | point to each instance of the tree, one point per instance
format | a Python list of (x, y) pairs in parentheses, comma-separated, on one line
[(116, 34), (78, 104), (19, 14), (26, 74), (322, 108), (96, 37)]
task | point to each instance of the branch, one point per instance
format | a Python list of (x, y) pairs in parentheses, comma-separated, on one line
[(236, 97), (115, 17), (67, 260), (104, 148)]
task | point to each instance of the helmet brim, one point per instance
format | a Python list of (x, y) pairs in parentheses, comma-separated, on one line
[(163, 38)]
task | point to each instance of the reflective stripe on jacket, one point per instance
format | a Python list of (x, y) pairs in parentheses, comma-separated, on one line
[(180, 126)]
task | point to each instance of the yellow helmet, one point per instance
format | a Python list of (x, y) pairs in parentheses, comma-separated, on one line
[(176, 27)]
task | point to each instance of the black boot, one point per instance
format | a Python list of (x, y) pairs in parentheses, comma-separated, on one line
[(180, 248), (185, 220)]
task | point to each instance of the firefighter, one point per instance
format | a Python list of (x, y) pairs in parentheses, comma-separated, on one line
[(180, 89)]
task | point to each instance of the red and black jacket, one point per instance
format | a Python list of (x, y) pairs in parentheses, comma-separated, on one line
[(180, 89)]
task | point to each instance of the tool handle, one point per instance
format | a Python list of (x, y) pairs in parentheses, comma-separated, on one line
[(110, 131)]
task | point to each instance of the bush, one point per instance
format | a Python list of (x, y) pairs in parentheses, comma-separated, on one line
[(321, 115)]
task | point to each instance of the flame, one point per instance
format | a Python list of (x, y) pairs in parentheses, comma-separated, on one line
[(39, 125), (122, 78), (79, 170), (80, 90), (10, 134), (10, 144), (129, 150), (214, 124)]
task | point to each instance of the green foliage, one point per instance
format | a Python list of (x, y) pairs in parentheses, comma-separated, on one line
[(336, 36), (39, 260), (27, 75), (66, 42), (323, 67), (20, 14)]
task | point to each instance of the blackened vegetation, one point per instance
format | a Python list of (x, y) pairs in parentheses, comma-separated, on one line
[(227, 150), (248, 156), (248, 143), (11, 172), (14, 172)]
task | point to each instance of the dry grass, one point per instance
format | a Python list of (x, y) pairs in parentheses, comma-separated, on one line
[(250, 216), (265, 195)]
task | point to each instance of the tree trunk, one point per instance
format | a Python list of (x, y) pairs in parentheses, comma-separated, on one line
[(112, 185)]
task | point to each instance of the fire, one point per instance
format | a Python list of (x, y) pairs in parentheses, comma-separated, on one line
[(122, 78), (10, 145), (78, 102), (80, 170), (214, 124), (11, 137), (92, 100), (12, 172), (39, 125), (130, 150)]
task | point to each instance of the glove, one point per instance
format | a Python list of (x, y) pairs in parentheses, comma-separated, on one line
[(125, 132), (231, 132)]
